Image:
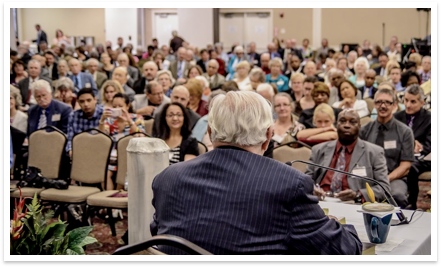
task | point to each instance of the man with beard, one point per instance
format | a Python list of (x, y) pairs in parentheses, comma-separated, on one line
[(356, 155), (397, 140)]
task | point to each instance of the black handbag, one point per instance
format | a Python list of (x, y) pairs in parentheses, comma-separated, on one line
[(35, 179)]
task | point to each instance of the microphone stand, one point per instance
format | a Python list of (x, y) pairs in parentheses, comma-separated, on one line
[(389, 198)]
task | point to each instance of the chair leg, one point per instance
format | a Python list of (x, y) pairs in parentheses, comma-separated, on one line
[(111, 221)]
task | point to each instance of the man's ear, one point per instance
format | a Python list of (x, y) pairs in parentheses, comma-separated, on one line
[(269, 135)]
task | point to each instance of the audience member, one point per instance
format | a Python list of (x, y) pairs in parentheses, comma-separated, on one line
[(257, 77), (348, 92), (120, 75), (64, 93), (108, 91), (323, 119), (81, 79), (425, 71), (292, 66), (215, 79), (368, 90), (34, 69), (17, 118), (153, 99), (60, 39), (165, 79), (381, 70), (296, 91), (175, 43), (150, 71), (176, 133), (241, 78), (264, 62), (306, 50), (253, 56), (118, 127), (179, 68), (285, 126), (361, 66), (48, 111), (238, 56), (220, 53), (276, 77), (193, 72), (196, 103), (123, 61), (397, 140), (42, 60), (349, 153), (352, 57), (51, 64), (236, 145), (98, 77), (366, 48), (107, 65), (310, 70), (203, 62), (395, 78), (18, 72), (388, 86), (323, 49), (161, 62), (307, 102)]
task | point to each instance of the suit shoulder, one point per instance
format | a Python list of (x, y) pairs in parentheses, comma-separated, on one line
[(61, 105), (373, 147)]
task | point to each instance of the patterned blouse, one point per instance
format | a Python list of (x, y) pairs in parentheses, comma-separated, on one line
[(111, 127)]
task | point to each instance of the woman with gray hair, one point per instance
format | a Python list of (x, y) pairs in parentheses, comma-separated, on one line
[(165, 79), (361, 65), (18, 119), (281, 81), (64, 92), (238, 56)]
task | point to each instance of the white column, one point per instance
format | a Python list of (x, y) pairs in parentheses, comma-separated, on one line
[(196, 26), (146, 157), (316, 27)]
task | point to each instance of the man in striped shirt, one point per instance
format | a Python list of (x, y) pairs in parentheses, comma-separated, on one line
[(85, 118)]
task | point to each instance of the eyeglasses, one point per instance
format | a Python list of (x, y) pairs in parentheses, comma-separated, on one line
[(386, 103), (170, 116)]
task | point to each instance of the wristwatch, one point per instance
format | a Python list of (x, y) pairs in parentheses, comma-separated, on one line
[(358, 197)]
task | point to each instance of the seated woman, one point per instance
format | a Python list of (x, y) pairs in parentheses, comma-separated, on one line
[(64, 88), (285, 126), (347, 91), (176, 133), (234, 60), (107, 65), (165, 79), (18, 72), (117, 127), (296, 91), (276, 77), (196, 103), (108, 91), (323, 119), (361, 65), (18, 119), (389, 86), (307, 102), (242, 71), (320, 94)]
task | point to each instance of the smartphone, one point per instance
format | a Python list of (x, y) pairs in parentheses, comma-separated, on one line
[(116, 112)]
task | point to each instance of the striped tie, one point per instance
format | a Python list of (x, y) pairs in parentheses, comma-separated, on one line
[(337, 178), (411, 122), (42, 122)]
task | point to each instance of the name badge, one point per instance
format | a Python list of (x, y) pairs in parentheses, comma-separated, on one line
[(255, 62), (280, 82), (390, 144), (87, 85), (361, 171), (56, 117)]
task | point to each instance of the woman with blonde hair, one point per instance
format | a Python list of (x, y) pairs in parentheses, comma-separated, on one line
[(242, 79), (389, 65), (196, 103), (323, 119), (108, 91), (285, 126), (165, 79)]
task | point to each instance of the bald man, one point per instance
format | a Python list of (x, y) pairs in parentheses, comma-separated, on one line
[(81, 79), (149, 71), (123, 61), (119, 74), (179, 95), (368, 90), (179, 68)]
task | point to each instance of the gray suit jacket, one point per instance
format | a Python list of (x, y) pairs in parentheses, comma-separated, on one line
[(100, 79), (218, 81), (365, 155), (174, 69), (133, 72), (129, 92)]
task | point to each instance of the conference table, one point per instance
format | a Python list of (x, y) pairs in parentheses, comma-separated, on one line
[(415, 237)]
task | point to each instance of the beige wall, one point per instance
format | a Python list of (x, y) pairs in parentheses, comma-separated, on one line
[(353, 25), (72, 21), (297, 23), (148, 28)]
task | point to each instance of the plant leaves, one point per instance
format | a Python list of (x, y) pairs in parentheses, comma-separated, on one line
[(77, 235), (54, 230), (370, 193), (35, 200), (49, 215), (87, 240), (78, 250), (71, 252)]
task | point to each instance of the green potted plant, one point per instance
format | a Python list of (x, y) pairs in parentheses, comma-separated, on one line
[(31, 233)]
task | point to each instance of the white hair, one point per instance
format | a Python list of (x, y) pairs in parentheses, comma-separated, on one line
[(65, 83), (237, 48), (35, 61), (265, 87), (40, 85), (362, 60), (241, 118), (91, 60), (124, 55), (202, 78), (215, 61), (274, 61), (170, 76)]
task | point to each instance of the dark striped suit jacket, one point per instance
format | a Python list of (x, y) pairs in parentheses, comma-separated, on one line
[(230, 201)]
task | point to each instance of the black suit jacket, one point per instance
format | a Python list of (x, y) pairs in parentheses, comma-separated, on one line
[(55, 72), (255, 61), (378, 70), (139, 86), (371, 95), (421, 128), (58, 116), (201, 64)]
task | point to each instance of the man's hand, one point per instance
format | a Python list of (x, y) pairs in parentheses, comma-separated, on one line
[(418, 147), (319, 193), (346, 195), (148, 110)]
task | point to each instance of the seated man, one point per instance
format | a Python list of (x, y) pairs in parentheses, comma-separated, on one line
[(180, 95), (98, 77), (368, 90), (359, 157), (34, 69), (148, 103), (150, 70), (215, 79), (48, 111), (397, 140), (238, 202), (119, 74), (419, 120), (85, 118), (81, 79)]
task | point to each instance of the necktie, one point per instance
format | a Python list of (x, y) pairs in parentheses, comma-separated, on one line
[(366, 92), (42, 122), (382, 72), (76, 82), (337, 178), (179, 69), (380, 136), (411, 122)]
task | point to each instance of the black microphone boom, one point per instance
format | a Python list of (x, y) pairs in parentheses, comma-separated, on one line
[(390, 199)]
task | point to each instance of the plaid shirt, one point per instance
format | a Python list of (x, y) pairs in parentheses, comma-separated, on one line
[(78, 122)]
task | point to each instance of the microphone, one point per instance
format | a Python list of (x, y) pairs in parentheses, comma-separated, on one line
[(389, 198)]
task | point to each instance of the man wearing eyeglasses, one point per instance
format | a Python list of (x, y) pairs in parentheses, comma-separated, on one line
[(153, 100), (397, 141)]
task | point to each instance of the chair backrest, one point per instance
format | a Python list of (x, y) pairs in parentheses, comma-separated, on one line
[(148, 126), (46, 151), (370, 104), (365, 120), (202, 148), (90, 156), (286, 153), (169, 240), (121, 151)]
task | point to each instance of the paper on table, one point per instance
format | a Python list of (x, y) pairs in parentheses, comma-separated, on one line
[(390, 244)]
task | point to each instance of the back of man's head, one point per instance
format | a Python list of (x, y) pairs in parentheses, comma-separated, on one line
[(240, 118)]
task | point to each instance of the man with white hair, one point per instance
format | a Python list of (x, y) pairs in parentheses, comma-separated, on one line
[(123, 61), (120, 75), (181, 95), (48, 111), (34, 70), (99, 77), (215, 79), (231, 180), (189, 57), (81, 79), (44, 71), (150, 70), (179, 68)]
